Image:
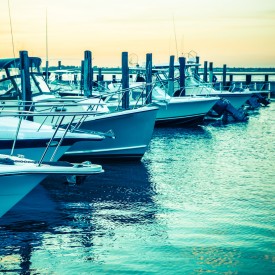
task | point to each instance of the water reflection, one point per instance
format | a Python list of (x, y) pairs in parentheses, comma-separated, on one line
[(75, 218), (201, 201), (21, 228)]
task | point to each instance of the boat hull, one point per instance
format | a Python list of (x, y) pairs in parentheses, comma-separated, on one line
[(34, 150), (237, 99), (184, 111), (32, 143), (18, 176), (15, 187), (132, 129)]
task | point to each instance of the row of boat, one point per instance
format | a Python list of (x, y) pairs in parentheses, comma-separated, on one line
[(43, 132)]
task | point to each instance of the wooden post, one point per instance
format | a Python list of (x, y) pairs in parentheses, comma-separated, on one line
[(99, 79), (182, 62), (224, 77), (205, 71), (266, 82), (75, 79), (171, 76), (148, 78), (25, 81), (82, 77), (231, 83), (210, 72), (88, 80), (125, 81), (99, 74), (196, 72), (113, 78), (248, 79), (47, 72)]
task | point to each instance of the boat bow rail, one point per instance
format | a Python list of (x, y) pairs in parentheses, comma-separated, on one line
[(58, 133)]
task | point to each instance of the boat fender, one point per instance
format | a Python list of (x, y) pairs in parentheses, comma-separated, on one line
[(262, 100), (253, 102), (75, 180)]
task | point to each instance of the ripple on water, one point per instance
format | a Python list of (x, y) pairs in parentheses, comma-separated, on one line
[(201, 201)]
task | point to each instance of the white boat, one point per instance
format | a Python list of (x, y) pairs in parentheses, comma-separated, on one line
[(194, 86), (173, 111), (132, 128), (184, 110), (30, 139), (18, 176)]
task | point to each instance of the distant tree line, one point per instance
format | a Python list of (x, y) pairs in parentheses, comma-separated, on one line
[(216, 69)]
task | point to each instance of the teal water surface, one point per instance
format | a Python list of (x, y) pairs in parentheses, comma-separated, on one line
[(200, 202)]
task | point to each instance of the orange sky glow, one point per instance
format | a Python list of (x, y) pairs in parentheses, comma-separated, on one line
[(239, 33)]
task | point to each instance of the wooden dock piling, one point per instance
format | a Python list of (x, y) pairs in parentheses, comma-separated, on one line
[(47, 72), (224, 77), (211, 72), (205, 71), (266, 82), (125, 81), (171, 76), (248, 79), (99, 79), (182, 62), (82, 77), (25, 81), (230, 78), (148, 78), (87, 74), (197, 67)]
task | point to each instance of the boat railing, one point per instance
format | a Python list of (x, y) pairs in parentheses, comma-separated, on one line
[(233, 86), (137, 95), (23, 114), (194, 87), (52, 106), (140, 94)]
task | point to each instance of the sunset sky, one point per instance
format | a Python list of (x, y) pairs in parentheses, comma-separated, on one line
[(232, 32)]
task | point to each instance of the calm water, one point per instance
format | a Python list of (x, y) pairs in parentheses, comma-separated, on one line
[(201, 202)]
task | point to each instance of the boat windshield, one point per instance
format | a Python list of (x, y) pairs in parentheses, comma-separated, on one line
[(8, 84), (10, 87), (159, 94), (40, 83)]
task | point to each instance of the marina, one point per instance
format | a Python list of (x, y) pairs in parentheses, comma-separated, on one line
[(174, 173), (137, 137), (200, 201)]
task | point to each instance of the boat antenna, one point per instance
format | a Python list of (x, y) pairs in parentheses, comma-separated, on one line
[(47, 52), (182, 45), (175, 38), (11, 30), (46, 34)]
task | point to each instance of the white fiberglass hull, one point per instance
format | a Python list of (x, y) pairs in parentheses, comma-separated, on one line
[(32, 143), (237, 99), (184, 110), (15, 187), (19, 178), (132, 129), (195, 87)]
